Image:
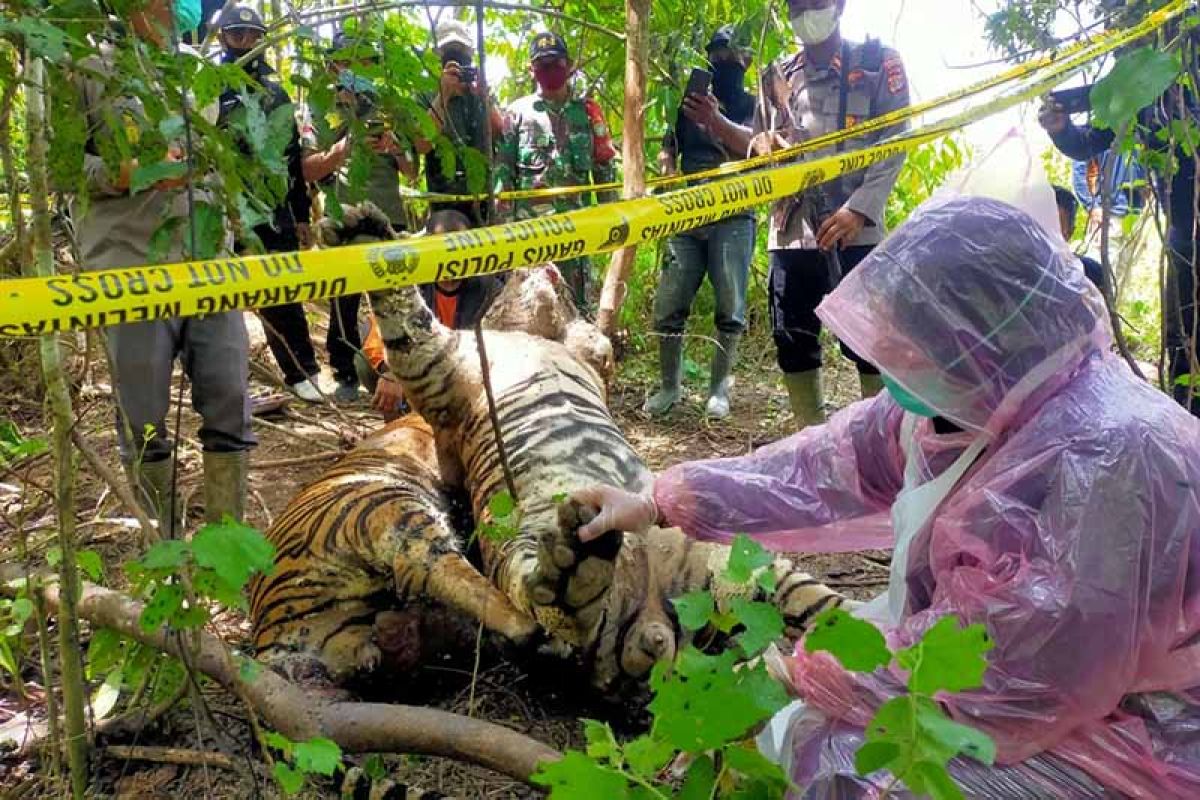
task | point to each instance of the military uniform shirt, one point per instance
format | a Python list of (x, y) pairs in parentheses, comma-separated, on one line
[(802, 102), (545, 146)]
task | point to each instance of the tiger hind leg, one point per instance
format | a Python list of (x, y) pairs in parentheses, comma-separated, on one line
[(572, 579)]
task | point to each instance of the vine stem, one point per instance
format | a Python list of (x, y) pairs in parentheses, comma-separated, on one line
[(58, 399)]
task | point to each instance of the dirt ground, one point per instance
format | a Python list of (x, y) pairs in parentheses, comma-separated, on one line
[(296, 446)]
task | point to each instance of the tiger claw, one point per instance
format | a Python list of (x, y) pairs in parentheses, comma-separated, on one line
[(572, 575)]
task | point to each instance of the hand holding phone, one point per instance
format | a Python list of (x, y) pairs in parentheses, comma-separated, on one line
[(698, 83)]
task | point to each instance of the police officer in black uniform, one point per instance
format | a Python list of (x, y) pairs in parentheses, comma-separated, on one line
[(241, 31)]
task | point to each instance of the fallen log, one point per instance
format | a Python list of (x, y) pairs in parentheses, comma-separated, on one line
[(298, 715)]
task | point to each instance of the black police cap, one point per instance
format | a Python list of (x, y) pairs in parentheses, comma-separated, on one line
[(236, 17), (547, 44)]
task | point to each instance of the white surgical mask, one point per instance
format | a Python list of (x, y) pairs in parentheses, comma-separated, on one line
[(812, 27)]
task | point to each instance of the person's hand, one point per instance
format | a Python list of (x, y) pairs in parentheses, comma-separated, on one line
[(451, 83), (618, 510), (385, 143), (388, 395), (840, 228), (1052, 117), (702, 109), (174, 156)]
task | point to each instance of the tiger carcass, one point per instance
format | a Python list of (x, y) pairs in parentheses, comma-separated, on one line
[(607, 600)]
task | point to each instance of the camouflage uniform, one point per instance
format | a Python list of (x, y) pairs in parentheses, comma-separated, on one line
[(547, 145)]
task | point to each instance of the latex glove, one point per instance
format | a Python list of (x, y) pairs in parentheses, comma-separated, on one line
[(619, 510)]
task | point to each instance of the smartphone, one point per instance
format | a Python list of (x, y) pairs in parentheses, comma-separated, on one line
[(1074, 101), (699, 82)]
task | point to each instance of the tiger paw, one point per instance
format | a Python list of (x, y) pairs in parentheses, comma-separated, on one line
[(573, 576)]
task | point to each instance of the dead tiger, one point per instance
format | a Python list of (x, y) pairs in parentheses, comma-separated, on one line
[(607, 600), (376, 531)]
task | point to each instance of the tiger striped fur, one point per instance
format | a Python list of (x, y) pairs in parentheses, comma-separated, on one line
[(608, 600), (373, 532)]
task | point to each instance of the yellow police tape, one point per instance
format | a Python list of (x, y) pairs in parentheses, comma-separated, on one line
[(32, 306), (1093, 48)]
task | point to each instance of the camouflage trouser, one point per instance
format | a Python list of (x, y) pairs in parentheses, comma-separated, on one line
[(577, 272)]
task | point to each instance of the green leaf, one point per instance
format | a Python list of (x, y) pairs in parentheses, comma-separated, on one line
[(167, 554), (856, 644), (89, 561), (146, 175), (694, 609), (704, 703), (209, 221), (54, 556), (601, 744), (233, 551), (21, 610), (279, 742), (290, 781), (749, 762), (374, 768), (170, 679), (949, 737), (767, 580), (104, 699), (745, 556), (763, 624), (577, 777), (933, 780), (647, 755), (248, 670), (104, 652), (1136, 81), (874, 756), (164, 603), (700, 780), (43, 38), (948, 658), (501, 504), (321, 756)]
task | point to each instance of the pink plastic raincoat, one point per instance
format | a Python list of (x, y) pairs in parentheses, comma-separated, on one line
[(1075, 537)]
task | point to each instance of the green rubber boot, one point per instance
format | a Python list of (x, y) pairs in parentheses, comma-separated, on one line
[(806, 396), (151, 485), (870, 385), (721, 379), (225, 485), (670, 362)]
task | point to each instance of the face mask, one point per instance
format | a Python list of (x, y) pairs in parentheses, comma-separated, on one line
[(813, 27), (729, 81), (906, 400), (551, 77), (187, 15)]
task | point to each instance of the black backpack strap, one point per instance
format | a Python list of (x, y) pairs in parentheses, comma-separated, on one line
[(843, 92)]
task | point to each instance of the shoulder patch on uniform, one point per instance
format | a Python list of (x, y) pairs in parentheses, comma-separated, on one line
[(897, 81)]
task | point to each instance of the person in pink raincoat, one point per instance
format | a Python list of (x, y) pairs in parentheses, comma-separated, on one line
[(1028, 482)]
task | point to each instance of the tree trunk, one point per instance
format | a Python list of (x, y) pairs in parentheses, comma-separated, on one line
[(60, 422), (633, 153), (300, 714)]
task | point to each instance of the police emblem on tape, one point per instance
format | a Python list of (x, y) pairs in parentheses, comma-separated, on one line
[(392, 260), (618, 234)]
